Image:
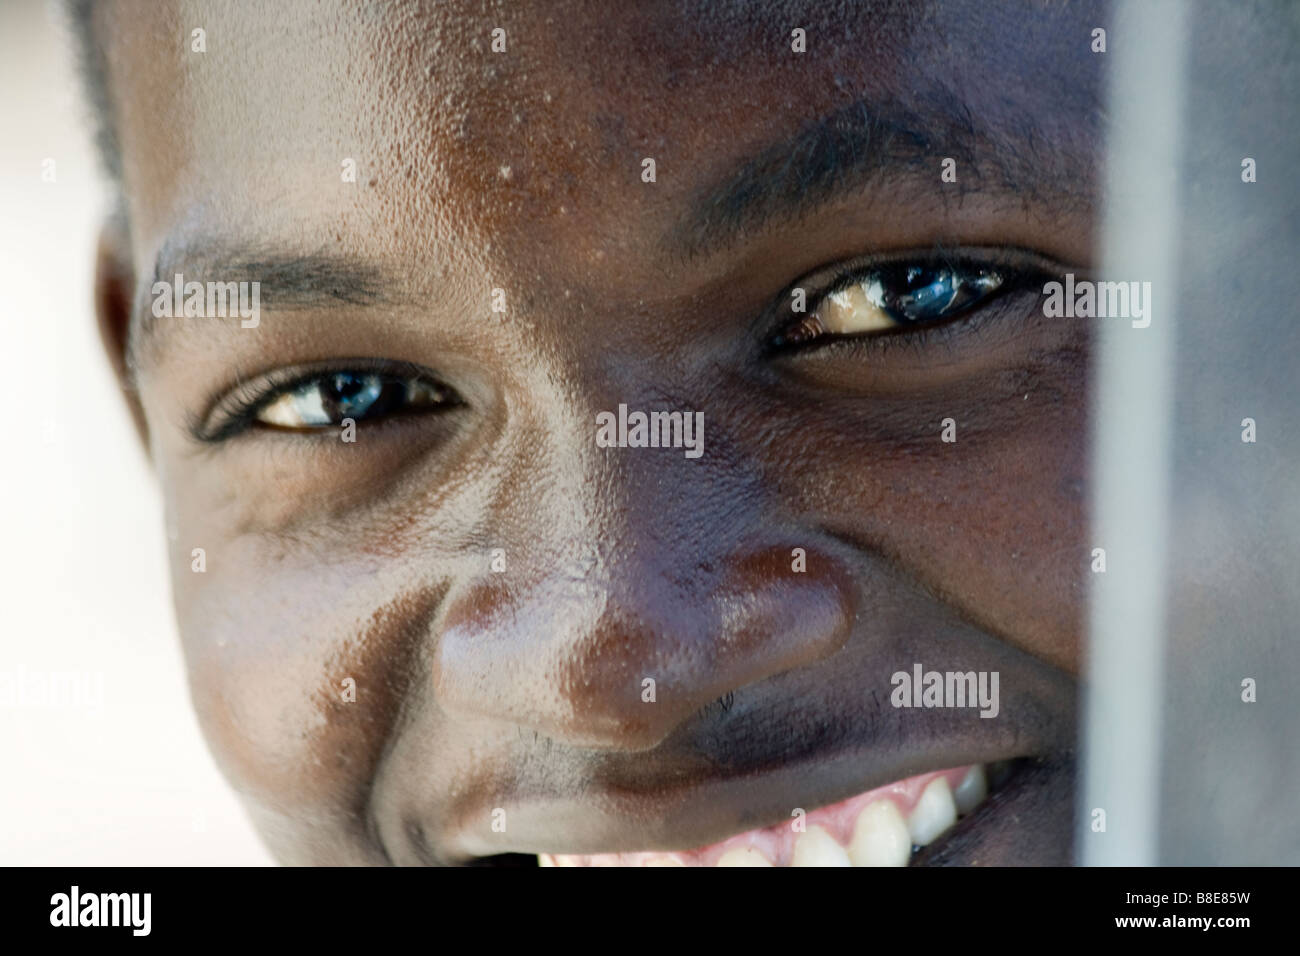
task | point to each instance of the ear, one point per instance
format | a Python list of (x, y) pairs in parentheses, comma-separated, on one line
[(114, 293)]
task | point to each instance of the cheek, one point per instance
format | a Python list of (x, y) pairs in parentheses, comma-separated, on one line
[(993, 522), (297, 668), (1002, 536)]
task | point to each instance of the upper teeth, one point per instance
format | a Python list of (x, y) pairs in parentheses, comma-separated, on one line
[(743, 856), (972, 790), (880, 835), (818, 848), (934, 813)]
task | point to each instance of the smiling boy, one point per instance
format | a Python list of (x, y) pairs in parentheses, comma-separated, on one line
[(467, 630)]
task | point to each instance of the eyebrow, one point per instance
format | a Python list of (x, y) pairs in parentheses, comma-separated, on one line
[(286, 282), (874, 144)]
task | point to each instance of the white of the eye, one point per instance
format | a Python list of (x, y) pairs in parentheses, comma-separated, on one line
[(300, 408), (851, 310), (840, 299), (875, 292), (422, 393)]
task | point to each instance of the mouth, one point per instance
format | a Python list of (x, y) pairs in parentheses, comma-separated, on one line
[(886, 826)]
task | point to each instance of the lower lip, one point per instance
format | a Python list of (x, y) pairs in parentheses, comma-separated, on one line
[(777, 843)]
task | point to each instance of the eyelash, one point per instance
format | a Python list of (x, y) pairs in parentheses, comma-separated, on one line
[(232, 412), (1021, 270)]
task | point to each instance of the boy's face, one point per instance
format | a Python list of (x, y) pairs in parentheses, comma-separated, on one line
[(515, 679)]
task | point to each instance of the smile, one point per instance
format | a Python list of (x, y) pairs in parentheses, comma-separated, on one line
[(882, 827)]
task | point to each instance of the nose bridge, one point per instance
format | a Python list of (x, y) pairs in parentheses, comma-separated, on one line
[(600, 468)]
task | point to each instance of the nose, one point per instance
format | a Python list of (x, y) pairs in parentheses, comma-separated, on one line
[(613, 649)]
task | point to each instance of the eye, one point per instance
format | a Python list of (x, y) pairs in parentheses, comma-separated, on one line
[(895, 296), (325, 401), (307, 400)]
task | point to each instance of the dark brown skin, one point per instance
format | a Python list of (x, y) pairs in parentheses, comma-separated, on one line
[(371, 560)]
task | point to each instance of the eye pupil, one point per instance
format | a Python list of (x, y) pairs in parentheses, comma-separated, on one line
[(348, 395), (913, 295), (346, 385), (928, 295)]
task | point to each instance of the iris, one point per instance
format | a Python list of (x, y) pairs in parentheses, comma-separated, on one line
[(912, 295)]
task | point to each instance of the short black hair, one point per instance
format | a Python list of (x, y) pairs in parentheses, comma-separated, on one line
[(92, 66)]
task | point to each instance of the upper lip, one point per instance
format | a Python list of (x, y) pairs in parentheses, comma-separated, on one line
[(806, 738)]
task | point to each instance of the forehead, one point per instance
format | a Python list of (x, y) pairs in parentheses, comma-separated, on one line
[(464, 151)]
